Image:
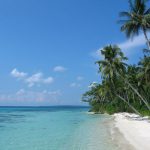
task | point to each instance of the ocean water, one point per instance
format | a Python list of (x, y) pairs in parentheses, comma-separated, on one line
[(53, 128)]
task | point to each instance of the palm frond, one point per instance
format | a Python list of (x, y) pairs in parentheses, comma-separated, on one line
[(132, 8), (125, 14), (147, 11)]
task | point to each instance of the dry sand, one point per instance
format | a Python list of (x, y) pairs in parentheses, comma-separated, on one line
[(135, 129)]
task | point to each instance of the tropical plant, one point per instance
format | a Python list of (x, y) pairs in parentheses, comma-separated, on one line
[(136, 19), (124, 88), (112, 63), (120, 89)]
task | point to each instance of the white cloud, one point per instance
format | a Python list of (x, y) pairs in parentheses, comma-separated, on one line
[(48, 80), (35, 79), (74, 84), (96, 54), (59, 69), (17, 74), (80, 78), (137, 41), (20, 92), (32, 96), (38, 79), (57, 92), (93, 84), (77, 82), (128, 47)]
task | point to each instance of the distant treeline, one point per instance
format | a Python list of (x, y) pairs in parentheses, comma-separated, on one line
[(124, 88)]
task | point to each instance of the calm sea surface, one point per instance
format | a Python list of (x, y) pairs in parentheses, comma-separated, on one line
[(53, 128)]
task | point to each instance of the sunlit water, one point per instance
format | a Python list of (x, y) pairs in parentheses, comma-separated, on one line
[(53, 128)]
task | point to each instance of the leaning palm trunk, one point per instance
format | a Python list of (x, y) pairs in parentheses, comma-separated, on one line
[(134, 109), (146, 37), (137, 93)]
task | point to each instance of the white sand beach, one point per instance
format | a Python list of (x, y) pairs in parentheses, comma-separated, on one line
[(135, 129)]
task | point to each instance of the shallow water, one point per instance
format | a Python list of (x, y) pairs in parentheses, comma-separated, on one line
[(53, 128)]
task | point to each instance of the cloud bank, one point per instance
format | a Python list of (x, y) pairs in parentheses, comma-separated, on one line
[(38, 79), (128, 47), (17, 74), (32, 96), (35, 79)]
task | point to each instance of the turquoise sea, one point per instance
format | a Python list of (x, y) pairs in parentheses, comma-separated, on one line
[(53, 128)]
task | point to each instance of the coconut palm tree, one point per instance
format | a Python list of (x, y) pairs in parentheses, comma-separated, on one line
[(113, 69), (112, 63), (145, 69), (124, 87), (137, 19), (144, 77)]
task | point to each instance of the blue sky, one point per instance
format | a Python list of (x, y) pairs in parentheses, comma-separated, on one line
[(48, 48)]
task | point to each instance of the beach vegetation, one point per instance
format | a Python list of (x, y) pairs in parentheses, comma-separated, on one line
[(124, 87)]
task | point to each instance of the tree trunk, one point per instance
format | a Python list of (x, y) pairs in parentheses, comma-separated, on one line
[(146, 37), (145, 102), (136, 111), (138, 94)]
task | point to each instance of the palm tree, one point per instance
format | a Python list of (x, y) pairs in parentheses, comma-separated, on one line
[(112, 63), (137, 19), (95, 97), (144, 76), (145, 69), (113, 69)]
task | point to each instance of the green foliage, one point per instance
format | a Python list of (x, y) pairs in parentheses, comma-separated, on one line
[(136, 19), (124, 88)]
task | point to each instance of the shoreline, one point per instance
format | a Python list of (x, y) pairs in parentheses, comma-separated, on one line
[(134, 129), (116, 138)]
